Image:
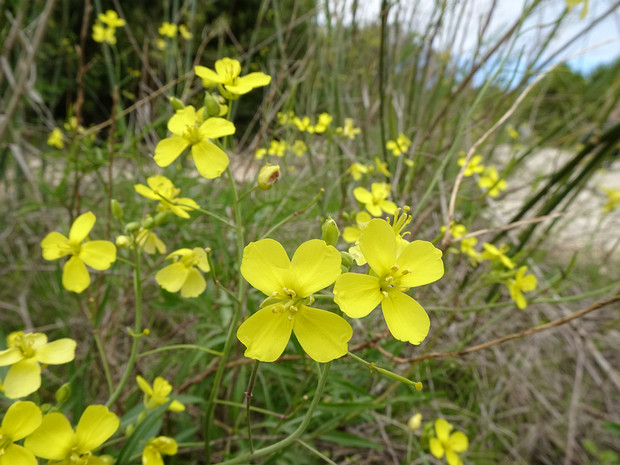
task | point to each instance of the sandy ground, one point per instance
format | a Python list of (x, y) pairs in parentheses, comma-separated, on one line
[(584, 226)]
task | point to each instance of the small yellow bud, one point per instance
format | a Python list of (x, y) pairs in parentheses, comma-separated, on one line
[(346, 260), (268, 176), (123, 242), (176, 103), (415, 422), (330, 231)]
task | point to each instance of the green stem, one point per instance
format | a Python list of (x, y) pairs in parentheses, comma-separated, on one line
[(104, 362), (248, 401), (137, 288), (373, 367), (179, 346), (269, 450), (232, 329)]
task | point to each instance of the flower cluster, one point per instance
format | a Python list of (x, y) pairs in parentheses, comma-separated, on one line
[(489, 179), (399, 146), (104, 29)]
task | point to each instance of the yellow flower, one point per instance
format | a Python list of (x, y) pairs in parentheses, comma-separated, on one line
[(512, 132), (226, 76), (348, 130), (521, 283), (382, 167), (289, 285), (474, 165), (490, 180), (260, 153), (56, 440), (185, 33), (493, 253), (357, 169), (161, 188), (21, 419), (182, 274), (613, 199), (399, 146), (456, 230), (104, 34), (55, 139), (189, 129), (158, 394), (24, 354), (110, 18), (324, 121), (277, 147), (394, 271), (375, 200), (448, 444), (149, 242), (299, 148), (168, 30), (352, 233), (97, 254), (467, 247), (151, 455)]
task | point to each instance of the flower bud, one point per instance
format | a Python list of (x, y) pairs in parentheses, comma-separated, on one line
[(116, 208), (123, 242), (415, 422), (148, 223), (63, 393), (212, 106), (346, 261), (330, 231), (160, 218), (132, 227), (176, 103), (268, 176)]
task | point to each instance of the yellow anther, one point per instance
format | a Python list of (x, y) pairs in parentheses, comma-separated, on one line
[(389, 279), (406, 271), (293, 309), (385, 294)]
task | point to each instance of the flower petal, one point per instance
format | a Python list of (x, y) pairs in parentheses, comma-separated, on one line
[(168, 150), (424, 261), (75, 276), (458, 441), (14, 454), (452, 458), (82, 226), (172, 277), (194, 284), (21, 419), (265, 334), (322, 334), (265, 265), (145, 191), (254, 80), (362, 195), (151, 456), (53, 439), (442, 429), (314, 266), (57, 352), (10, 356), (55, 245), (209, 77), (95, 427), (378, 244), (144, 385), (357, 294), (214, 128), (183, 118), (210, 160), (405, 318), (23, 378), (436, 447), (98, 254)]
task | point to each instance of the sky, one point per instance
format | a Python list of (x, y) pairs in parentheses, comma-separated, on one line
[(505, 14)]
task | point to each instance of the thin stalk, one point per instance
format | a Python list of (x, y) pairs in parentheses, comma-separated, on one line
[(133, 354), (269, 450), (248, 401)]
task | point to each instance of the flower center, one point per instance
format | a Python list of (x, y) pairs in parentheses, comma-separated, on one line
[(192, 134), (24, 343), (290, 304), (391, 280), (5, 441)]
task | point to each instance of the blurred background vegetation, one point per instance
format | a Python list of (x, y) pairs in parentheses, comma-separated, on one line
[(550, 398)]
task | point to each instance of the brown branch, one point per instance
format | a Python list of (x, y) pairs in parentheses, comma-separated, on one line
[(501, 340)]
